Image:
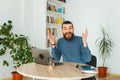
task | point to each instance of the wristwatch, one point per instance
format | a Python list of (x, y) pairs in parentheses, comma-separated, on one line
[(52, 45)]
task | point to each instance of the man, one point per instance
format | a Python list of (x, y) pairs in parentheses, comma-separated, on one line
[(71, 47)]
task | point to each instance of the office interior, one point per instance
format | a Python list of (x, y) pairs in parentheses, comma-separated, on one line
[(29, 18)]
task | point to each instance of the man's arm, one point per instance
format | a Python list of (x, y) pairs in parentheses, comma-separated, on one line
[(85, 50), (56, 52), (86, 54), (84, 37), (51, 38), (55, 47)]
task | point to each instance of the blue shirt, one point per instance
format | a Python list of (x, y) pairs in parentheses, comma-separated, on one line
[(71, 51)]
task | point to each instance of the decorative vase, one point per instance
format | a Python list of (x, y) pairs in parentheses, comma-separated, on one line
[(102, 71)]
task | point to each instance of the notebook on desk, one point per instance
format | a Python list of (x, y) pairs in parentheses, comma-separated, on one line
[(42, 56), (87, 69)]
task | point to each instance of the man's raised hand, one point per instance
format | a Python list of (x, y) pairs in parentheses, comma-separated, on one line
[(84, 37)]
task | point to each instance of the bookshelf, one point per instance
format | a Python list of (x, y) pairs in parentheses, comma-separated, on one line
[(54, 18)]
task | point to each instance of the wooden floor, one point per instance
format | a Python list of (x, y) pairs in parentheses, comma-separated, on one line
[(107, 78), (97, 78)]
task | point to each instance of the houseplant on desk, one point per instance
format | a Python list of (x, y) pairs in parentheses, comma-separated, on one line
[(15, 45), (104, 44)]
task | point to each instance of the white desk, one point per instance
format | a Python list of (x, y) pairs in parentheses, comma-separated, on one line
[(67, 71)]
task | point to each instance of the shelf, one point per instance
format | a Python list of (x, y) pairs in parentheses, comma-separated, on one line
[(55, 16), (56, 13), (56, 2), (53, 25)]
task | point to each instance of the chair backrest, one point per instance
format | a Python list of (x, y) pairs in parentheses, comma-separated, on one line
[(93, 61)]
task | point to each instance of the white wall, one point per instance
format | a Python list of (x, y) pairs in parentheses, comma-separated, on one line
[(39, 23), (33, 20), (92, 14), (9, 10)]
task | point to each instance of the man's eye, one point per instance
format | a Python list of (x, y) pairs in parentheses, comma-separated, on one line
[(70, 28), (64, 28)]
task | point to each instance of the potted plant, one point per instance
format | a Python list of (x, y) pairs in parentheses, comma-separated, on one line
[(104, 44), (16, 45)]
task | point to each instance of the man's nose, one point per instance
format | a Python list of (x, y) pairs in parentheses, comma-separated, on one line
[(67, 30)]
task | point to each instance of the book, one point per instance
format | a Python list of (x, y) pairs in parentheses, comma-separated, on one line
[(59, 20), (47, 19), (53, 8), (52, 19), (60, 9), (48, 6)]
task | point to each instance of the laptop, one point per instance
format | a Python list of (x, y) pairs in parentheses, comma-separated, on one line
[(42, 56)]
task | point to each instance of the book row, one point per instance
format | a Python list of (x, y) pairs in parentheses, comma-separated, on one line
[(59, 9), (54, 20)]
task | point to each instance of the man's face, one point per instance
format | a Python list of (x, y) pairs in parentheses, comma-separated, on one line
[(68, 31)]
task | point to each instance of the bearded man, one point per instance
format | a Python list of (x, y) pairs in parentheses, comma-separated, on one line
[(71, 47)]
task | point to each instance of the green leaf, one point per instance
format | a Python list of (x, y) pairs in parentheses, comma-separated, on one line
[(9, 21), (5, 63)]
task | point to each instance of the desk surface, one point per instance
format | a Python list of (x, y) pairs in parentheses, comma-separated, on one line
[(66, 71)]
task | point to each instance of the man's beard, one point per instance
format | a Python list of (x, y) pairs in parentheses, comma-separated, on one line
[(68, 36)]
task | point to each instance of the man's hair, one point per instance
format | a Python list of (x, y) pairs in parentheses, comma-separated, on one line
[(67, 22)]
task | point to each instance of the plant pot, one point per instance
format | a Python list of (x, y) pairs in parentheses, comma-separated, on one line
[(102, 71), (16, 76)]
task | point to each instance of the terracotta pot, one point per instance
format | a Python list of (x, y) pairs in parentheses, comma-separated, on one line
[(102, 71), (16, 76)]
